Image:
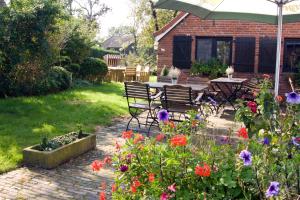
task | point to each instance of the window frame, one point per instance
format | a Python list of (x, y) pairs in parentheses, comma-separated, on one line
[(214, 45), (285, 43)]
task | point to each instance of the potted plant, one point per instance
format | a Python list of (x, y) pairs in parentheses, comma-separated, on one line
[(51, 153), (229, 72), (174, 73), (164, 75)]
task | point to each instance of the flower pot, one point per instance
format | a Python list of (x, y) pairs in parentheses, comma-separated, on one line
[(229, 76), (56, 157), (174, 80)]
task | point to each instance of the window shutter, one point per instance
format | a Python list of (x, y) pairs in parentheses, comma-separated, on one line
[(244, 54), (182, 49), (267, 55)]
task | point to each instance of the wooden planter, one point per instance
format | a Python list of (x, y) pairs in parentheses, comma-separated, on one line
[(52, 159)]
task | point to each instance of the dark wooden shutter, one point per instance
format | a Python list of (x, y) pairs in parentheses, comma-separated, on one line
[(267, 55), (244, 54), (182, 49)]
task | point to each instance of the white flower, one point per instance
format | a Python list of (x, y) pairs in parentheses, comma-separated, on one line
[(174, 73), (229, 70)]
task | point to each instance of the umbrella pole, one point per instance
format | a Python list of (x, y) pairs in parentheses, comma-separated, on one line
[(278, 56)]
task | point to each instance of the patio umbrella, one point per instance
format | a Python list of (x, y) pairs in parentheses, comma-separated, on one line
[(266, 11)]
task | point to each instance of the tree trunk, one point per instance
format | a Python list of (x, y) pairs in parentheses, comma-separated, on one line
[(154, 15)]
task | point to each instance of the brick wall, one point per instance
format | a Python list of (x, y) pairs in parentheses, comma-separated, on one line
[(194, 26)]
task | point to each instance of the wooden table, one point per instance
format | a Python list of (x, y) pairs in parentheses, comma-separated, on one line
[(229, 89), (116, 73), (195, 87)]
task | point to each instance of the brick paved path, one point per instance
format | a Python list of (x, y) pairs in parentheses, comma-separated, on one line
[(73, 180)]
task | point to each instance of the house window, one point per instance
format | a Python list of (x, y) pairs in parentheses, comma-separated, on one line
[(292, 55), (210, 47)]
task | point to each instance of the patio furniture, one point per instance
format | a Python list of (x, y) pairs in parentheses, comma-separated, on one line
[(145, 74), (229, 89), (248, 89), (160, 86), (178, 100), (140, 100), (130, 74), (164, 79), (138, 72), (116, 74)]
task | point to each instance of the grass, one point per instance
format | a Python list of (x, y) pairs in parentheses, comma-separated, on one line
[(24, 120)]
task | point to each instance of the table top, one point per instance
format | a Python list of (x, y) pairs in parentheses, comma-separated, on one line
[(228, 80), (195, 87), (117, 68)]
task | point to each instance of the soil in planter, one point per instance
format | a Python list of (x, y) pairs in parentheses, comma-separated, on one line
[(49, 145)]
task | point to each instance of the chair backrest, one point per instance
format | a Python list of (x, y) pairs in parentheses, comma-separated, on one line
[(138, 68), (137, 90), (130, 71), (177, 95), (147, 69)]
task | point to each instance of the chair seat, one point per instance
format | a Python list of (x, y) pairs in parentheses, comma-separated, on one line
[(144, 106)]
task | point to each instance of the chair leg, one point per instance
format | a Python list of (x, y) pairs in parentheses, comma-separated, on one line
[(128, 123), (154, 121)]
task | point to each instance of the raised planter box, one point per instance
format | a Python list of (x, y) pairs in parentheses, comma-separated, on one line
[(52, 159)]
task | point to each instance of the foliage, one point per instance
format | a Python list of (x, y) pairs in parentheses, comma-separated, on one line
[(212, 68), (54, 115), (169, 166), (59, 141), (73, 68), (59, 79), (98, 52), (165, 71), (93, 69)]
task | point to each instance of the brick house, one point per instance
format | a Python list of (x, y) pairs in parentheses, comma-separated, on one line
[(249, 46)]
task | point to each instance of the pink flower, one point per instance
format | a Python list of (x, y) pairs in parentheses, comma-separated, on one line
[(172, 187), (164, 196)]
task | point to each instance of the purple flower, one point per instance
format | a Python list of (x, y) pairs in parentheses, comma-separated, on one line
[(273, 189), (246, 157), (266, 141), (293, 98), (198, 117), (163, 115), (296, 141), (123, 168)]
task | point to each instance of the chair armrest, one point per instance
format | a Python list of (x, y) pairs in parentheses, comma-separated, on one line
[(157, 95), (199, 97)]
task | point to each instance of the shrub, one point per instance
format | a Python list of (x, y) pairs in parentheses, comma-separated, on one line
[(73, 68), (93, 69), (212, 68), (98, 52), (63, 61), (58, 79)]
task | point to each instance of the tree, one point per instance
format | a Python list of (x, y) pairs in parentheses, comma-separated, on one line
[(2, 3), (119, 31), (92, 9)]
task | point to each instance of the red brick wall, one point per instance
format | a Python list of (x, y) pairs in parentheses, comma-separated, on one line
[(194, 26)]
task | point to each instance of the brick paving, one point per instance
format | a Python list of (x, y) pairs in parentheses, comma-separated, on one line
[(75, 179)]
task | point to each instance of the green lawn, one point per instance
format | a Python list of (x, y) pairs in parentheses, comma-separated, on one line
[(24, 120)]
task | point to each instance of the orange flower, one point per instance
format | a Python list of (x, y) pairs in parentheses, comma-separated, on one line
[(279, 99), (151, 177), (107, 160), (171, 124), (102, 196), (138, 138), (194, 123), (203, 171), (97, 165), (127, 134), (113, 188), (160, 137), (118, 146), (243, 133), (178, 140)]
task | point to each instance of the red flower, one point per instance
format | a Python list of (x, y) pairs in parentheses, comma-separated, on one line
[(113, 188), (243, 133), (160, 137), (266, 76), (107, 160), (133, 189), (97, 165), (137, 183), (279, 99), (102, 196), (178, 140), (164, 196), (253, 106), (203, 171), (127, 134), (151, 177), (138, 138)]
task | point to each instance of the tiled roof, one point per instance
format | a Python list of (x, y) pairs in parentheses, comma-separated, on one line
[(118, 41)]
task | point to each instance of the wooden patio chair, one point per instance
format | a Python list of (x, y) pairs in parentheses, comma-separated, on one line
[(178, 100), (140, 100), (130, 74), (249, 89), (145, 74), (138, 73)]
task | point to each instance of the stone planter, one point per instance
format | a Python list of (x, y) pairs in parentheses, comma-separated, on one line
[(52, 159)]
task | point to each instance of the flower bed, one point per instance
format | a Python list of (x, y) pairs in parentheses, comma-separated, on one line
[(263, 163)]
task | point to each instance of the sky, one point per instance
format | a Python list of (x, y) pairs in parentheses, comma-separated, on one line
[(119, 15)]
